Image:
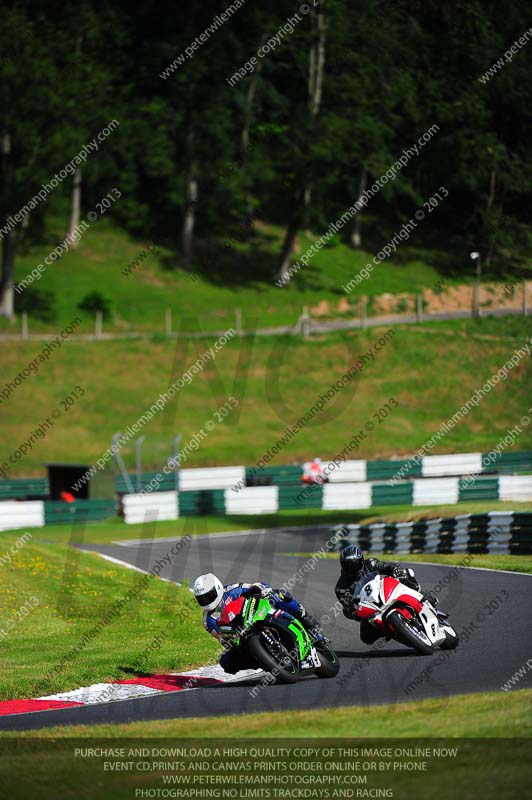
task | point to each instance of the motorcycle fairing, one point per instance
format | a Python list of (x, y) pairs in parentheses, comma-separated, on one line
[(379, 595)]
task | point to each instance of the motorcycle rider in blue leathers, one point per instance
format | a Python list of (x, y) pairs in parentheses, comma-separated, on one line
[(212, 595)]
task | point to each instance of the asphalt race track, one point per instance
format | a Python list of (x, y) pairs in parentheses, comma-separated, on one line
[(491, 610)]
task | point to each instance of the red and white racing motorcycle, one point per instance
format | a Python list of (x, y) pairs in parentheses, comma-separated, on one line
[(401, 613)]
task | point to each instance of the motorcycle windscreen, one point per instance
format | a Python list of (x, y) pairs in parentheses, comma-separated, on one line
[(231, 610), (359, 588)]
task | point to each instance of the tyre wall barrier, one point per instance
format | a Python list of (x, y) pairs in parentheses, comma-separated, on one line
[(57, 512), (139, 507), (150, 507), (353, 471), (24, 488), (15, 515), (506, 532)]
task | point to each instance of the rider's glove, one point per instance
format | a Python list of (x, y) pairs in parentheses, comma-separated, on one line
[(400, 573), (253, 591), (258, 591), (283, 595)]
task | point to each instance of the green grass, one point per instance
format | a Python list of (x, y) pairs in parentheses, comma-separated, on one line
[(43, 763), (275, 381), (413, 513), (115, 529), (504, 562), (75, 591), (486, 714), (480, 561), (485, 767), (139, 299)]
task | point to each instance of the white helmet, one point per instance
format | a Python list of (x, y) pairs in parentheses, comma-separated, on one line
[(208, 590)]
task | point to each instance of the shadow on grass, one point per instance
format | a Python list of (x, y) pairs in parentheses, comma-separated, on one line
[(135, 673), (312, 518), (244, 261)]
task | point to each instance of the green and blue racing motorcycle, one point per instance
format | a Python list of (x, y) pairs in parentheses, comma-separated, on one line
[(276, 641)]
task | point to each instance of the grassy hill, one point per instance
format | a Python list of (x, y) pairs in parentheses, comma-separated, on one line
[(224, 278), (430, 371)]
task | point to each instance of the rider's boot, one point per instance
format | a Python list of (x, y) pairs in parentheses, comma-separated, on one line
[(311, 624)]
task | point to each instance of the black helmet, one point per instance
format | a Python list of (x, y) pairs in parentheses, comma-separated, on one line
[(351, 561)]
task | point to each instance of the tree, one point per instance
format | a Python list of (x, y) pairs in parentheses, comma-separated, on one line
[(43, 124), (303, 194), (27, 104)]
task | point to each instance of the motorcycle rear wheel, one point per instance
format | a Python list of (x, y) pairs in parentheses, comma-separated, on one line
[(267, 662), (405, 633)]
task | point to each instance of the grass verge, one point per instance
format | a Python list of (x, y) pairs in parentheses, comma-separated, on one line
[(479, 561), (275, 382), (157, 628), (115, 529), (487, 714), (139, 299), (465, 760)]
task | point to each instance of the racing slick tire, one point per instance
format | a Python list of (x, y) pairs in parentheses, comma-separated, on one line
[(451, 638), (258, 649), (406, 633), (330, 666)]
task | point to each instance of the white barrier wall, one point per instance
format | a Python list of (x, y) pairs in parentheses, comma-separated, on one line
[(349, 471), (459, 464), (253, 500), (211, 478), (515, 487), (432, 491), (346, 496), (150, 507), (27, 514)]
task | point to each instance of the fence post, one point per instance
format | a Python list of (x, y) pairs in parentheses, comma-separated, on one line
[(419, 308), (168, 321), (363, 313), (238, 321), (98, 325), (24, 330), (525, 304), (475, 308), (138, 462), (305, 322)]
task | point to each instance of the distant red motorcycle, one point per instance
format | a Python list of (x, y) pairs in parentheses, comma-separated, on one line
[(399, 612), (313, 472)]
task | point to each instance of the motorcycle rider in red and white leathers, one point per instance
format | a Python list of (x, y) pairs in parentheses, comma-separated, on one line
[(212, 595), (354, 566)]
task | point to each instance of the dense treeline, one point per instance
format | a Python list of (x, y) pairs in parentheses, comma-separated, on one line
[(232, 111)]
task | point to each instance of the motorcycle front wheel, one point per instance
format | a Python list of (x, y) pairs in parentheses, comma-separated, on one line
[(406, 633), (451, 638), (269, 658), (330, 666)]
